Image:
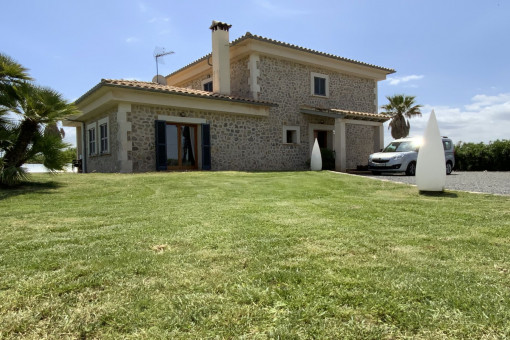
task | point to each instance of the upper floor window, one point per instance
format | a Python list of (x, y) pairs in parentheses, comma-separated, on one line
[(319, 84), (207, 85)]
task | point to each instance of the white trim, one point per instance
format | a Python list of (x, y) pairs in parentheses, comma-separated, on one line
[(205, 81), (100, 122), (314, 75), (107, 97), (297, 130), (90, 127), (362, 122), (254, 75), (175, 119), (339, 142)]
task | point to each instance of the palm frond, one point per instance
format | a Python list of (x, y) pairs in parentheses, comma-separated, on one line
[(11, 71)]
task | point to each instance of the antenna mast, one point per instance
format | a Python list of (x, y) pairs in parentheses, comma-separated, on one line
[(160, 52)]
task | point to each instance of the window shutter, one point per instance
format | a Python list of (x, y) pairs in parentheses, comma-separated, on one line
[(206, 147), (160, 145)]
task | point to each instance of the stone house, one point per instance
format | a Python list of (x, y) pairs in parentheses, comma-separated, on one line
[(252, 104)]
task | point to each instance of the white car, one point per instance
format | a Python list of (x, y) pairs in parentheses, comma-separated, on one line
[(401, 155)]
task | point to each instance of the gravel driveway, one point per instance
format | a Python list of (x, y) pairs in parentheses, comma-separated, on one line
[(474, 181)]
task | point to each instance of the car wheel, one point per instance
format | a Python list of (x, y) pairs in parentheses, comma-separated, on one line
[(411, 169), (449, 168), (376, 173)]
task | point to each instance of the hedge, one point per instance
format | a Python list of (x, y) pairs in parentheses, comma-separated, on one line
[(494, 156)]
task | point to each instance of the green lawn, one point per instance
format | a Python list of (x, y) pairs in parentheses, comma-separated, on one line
[(250, 255)]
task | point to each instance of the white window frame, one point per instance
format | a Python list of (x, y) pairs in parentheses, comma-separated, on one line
[(205, 81), (296, 129), (313, 75), (92, 126), (104, 121)]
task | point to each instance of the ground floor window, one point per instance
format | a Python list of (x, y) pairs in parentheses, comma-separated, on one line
[(291, 135), (103, 131), (91, 132)]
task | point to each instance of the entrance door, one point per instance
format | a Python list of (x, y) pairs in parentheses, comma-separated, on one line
[(322, 138), (181, 146)]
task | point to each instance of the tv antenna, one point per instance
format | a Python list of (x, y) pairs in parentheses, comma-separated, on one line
[(158, 53)]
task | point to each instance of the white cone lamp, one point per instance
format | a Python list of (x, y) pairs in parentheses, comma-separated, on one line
[(316, 160), (430, 167)]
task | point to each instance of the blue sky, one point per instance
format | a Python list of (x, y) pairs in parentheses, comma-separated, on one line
[(454, 56)]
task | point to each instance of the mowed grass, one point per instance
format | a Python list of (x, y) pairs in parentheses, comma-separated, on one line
[(289, 255)]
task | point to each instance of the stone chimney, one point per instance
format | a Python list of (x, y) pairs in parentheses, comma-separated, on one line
[(220, 57)]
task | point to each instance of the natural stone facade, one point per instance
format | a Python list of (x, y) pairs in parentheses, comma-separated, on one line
[(271, 92), (360, 143), (106, 162), (240, 142)]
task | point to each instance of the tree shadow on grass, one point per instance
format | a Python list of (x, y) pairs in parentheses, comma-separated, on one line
[(439, 194), (29, 187)]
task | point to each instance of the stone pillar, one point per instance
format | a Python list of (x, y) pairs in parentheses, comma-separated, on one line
[(125, 145), (378, 137), (339, 145), (254, 75)]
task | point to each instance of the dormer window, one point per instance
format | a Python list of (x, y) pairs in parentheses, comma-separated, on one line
[(319, 84), (207, 85)]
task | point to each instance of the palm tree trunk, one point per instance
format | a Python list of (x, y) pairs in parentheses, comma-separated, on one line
[(17, 155)]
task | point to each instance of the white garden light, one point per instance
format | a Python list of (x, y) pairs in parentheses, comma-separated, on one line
[(430, 167), (316, 160)]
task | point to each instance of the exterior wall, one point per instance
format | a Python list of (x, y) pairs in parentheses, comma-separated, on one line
[(238, 142), (241, 142), (105, 162), (239, 78), (288, 84), (359, 144), (239, 75), (196, 83)]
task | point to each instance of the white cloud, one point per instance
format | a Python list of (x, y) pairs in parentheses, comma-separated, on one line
[(404, 79), (482, 100), (131, 40), (486, 119), (158, 20)]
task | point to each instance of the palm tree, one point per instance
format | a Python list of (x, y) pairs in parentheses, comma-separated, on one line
[(401, 108), (37, 107), (11, 74)]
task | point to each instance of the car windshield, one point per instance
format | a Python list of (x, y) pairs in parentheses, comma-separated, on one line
[(402, 146)]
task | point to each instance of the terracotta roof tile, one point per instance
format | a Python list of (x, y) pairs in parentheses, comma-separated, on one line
[(362, 114), (346, 113), (154, 87), (248, 35)]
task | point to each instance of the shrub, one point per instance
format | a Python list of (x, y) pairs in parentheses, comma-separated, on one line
[(494, 156), (328, 159)]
